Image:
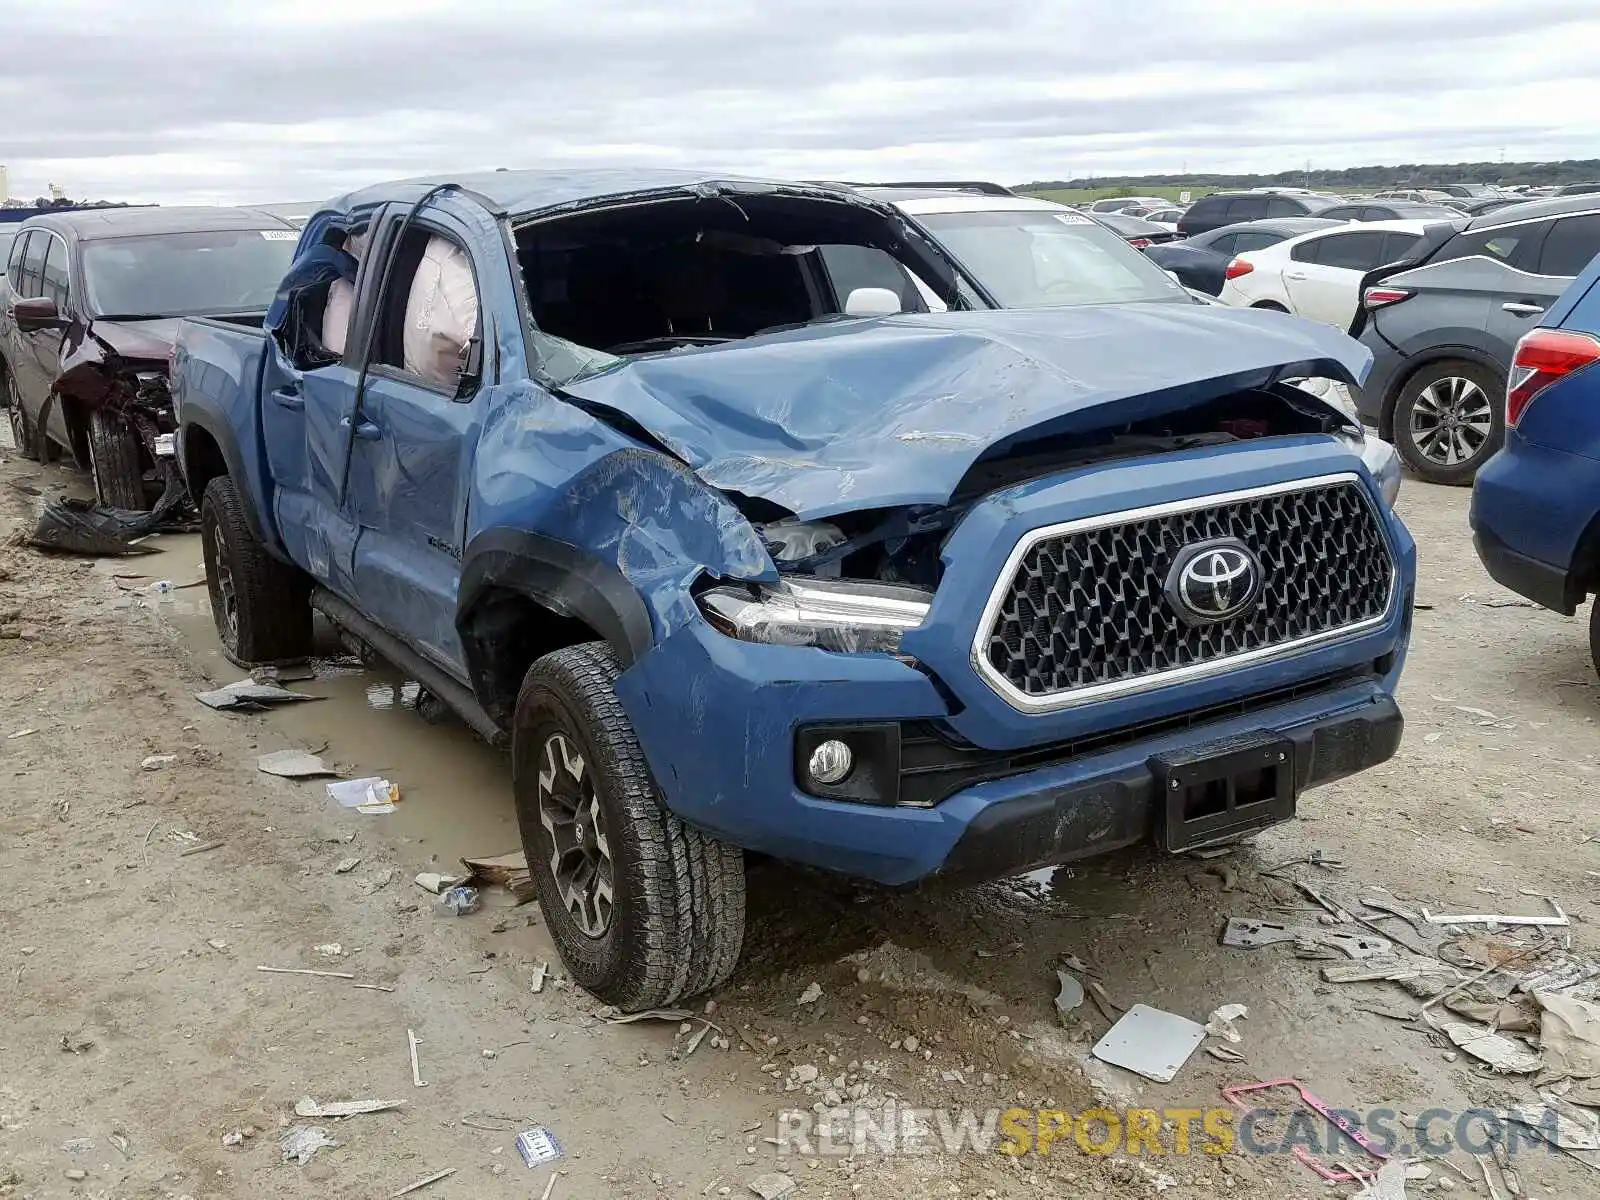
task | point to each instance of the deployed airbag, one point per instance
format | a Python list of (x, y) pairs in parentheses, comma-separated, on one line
[(441, 313)]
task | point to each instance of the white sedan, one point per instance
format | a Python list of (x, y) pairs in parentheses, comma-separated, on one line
[(1318, 275)]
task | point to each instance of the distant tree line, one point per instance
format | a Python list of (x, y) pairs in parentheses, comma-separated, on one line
[(1418, 175), (46, 203)]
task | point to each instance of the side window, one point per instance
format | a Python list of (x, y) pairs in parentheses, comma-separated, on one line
[(1227, 244), (1351, 251), (54, 280), (33, 265), (1310, 251), (1247, 240), (1277, 206), (852, 267), (1499, 244), (1248, 208), (14, 262), (1397, 245), (428, 321), (1571, 244)]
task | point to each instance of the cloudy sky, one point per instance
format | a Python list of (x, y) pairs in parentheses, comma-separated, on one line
[(163, 100)]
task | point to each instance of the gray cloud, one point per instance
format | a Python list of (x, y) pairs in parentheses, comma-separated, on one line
[(279, 100)]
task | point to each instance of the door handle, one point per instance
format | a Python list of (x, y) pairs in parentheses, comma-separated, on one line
[(1518, 309), (1294, 274), (365, 430), (289, 398)]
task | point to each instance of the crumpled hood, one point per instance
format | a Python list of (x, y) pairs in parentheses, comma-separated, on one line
[(152, 339), (857, 414)]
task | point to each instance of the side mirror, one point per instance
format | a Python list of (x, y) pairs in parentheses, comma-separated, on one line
[(35, 314), (871, 302)]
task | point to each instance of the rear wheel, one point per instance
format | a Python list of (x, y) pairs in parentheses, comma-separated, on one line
[(23, 435), (1270, 306), (115, 461), (262, 607), (644, 909), (1449, 420)]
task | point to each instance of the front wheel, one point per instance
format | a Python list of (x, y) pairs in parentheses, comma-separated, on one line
[(644, 910), (1449, 419), (262, 607), (23, 435), (115, 461)]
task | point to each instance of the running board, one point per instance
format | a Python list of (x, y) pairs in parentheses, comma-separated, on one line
[(453, 693)]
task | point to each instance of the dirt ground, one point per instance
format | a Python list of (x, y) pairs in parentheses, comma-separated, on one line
[(138, 1032)]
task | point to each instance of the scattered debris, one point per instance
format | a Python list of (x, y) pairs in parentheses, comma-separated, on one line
[(422, 1183), (1569, 1036), (249, 696), (1238, 1096), (1504, 1055), (774, 1185), (302, 1142), (238, 1135), (1560, 918), (306, 971), (1388, 1184), (294, 764), (1247, 933), (1070, 995), (509, 871), (457, 902), (538, 1146), (812, 994), (1223, 1054), (1221, 1022), (540, 970), (611, 1015), (373, 795), (432, 881), (201, 849), (416, 1065), (346, 865), (21, 733), (156, 761), (74, 1045), (343, 1108), (1150, 1042)]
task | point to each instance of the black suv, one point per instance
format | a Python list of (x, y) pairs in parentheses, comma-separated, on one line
[(1229, 208)]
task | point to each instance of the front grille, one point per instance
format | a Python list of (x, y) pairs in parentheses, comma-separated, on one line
[(1084, 614)]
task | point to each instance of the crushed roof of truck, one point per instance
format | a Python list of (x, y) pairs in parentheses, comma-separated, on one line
[(527, 193), (93, 224)]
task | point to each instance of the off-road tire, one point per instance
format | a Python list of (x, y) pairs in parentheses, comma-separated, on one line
[(677, 922), (1594, 632), (262, 607), (1493, 386), (114, 460), (23, 433)]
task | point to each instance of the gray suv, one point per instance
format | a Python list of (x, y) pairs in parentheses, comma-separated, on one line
[(1443, 325)]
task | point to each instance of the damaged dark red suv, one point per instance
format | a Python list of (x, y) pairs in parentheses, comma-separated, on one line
[(91, 300)]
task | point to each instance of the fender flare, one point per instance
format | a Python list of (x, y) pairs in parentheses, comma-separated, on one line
[(561, 577), (228, 442), (1419, 362)]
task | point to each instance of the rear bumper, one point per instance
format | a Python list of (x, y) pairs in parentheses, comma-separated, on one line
[(1531, 506), (1373, 394)]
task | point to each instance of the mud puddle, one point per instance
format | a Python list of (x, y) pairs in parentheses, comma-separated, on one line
[(455, 789)]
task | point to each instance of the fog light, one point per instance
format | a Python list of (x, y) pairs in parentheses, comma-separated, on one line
[(831, 762)]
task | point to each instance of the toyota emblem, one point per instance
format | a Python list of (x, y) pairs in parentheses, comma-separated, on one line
[(1213, 580)]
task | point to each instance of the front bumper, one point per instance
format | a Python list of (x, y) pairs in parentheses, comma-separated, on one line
[(723, 752)]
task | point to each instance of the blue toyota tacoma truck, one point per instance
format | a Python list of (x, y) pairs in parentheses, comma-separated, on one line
[(673, 483)]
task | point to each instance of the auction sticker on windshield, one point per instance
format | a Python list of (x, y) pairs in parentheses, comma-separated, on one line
[(1072, 218)]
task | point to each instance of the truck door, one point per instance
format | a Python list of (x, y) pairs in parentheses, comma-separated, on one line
[(418, 424)]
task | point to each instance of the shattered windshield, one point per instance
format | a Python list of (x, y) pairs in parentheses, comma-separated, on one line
[(186, 274), (560, 361), (1040, 259)]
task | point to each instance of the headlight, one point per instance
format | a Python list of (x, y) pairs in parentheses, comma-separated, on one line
[(850, 616), (1381, 459)]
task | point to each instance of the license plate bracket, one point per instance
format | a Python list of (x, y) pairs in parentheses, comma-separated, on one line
[(1223, 789)]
